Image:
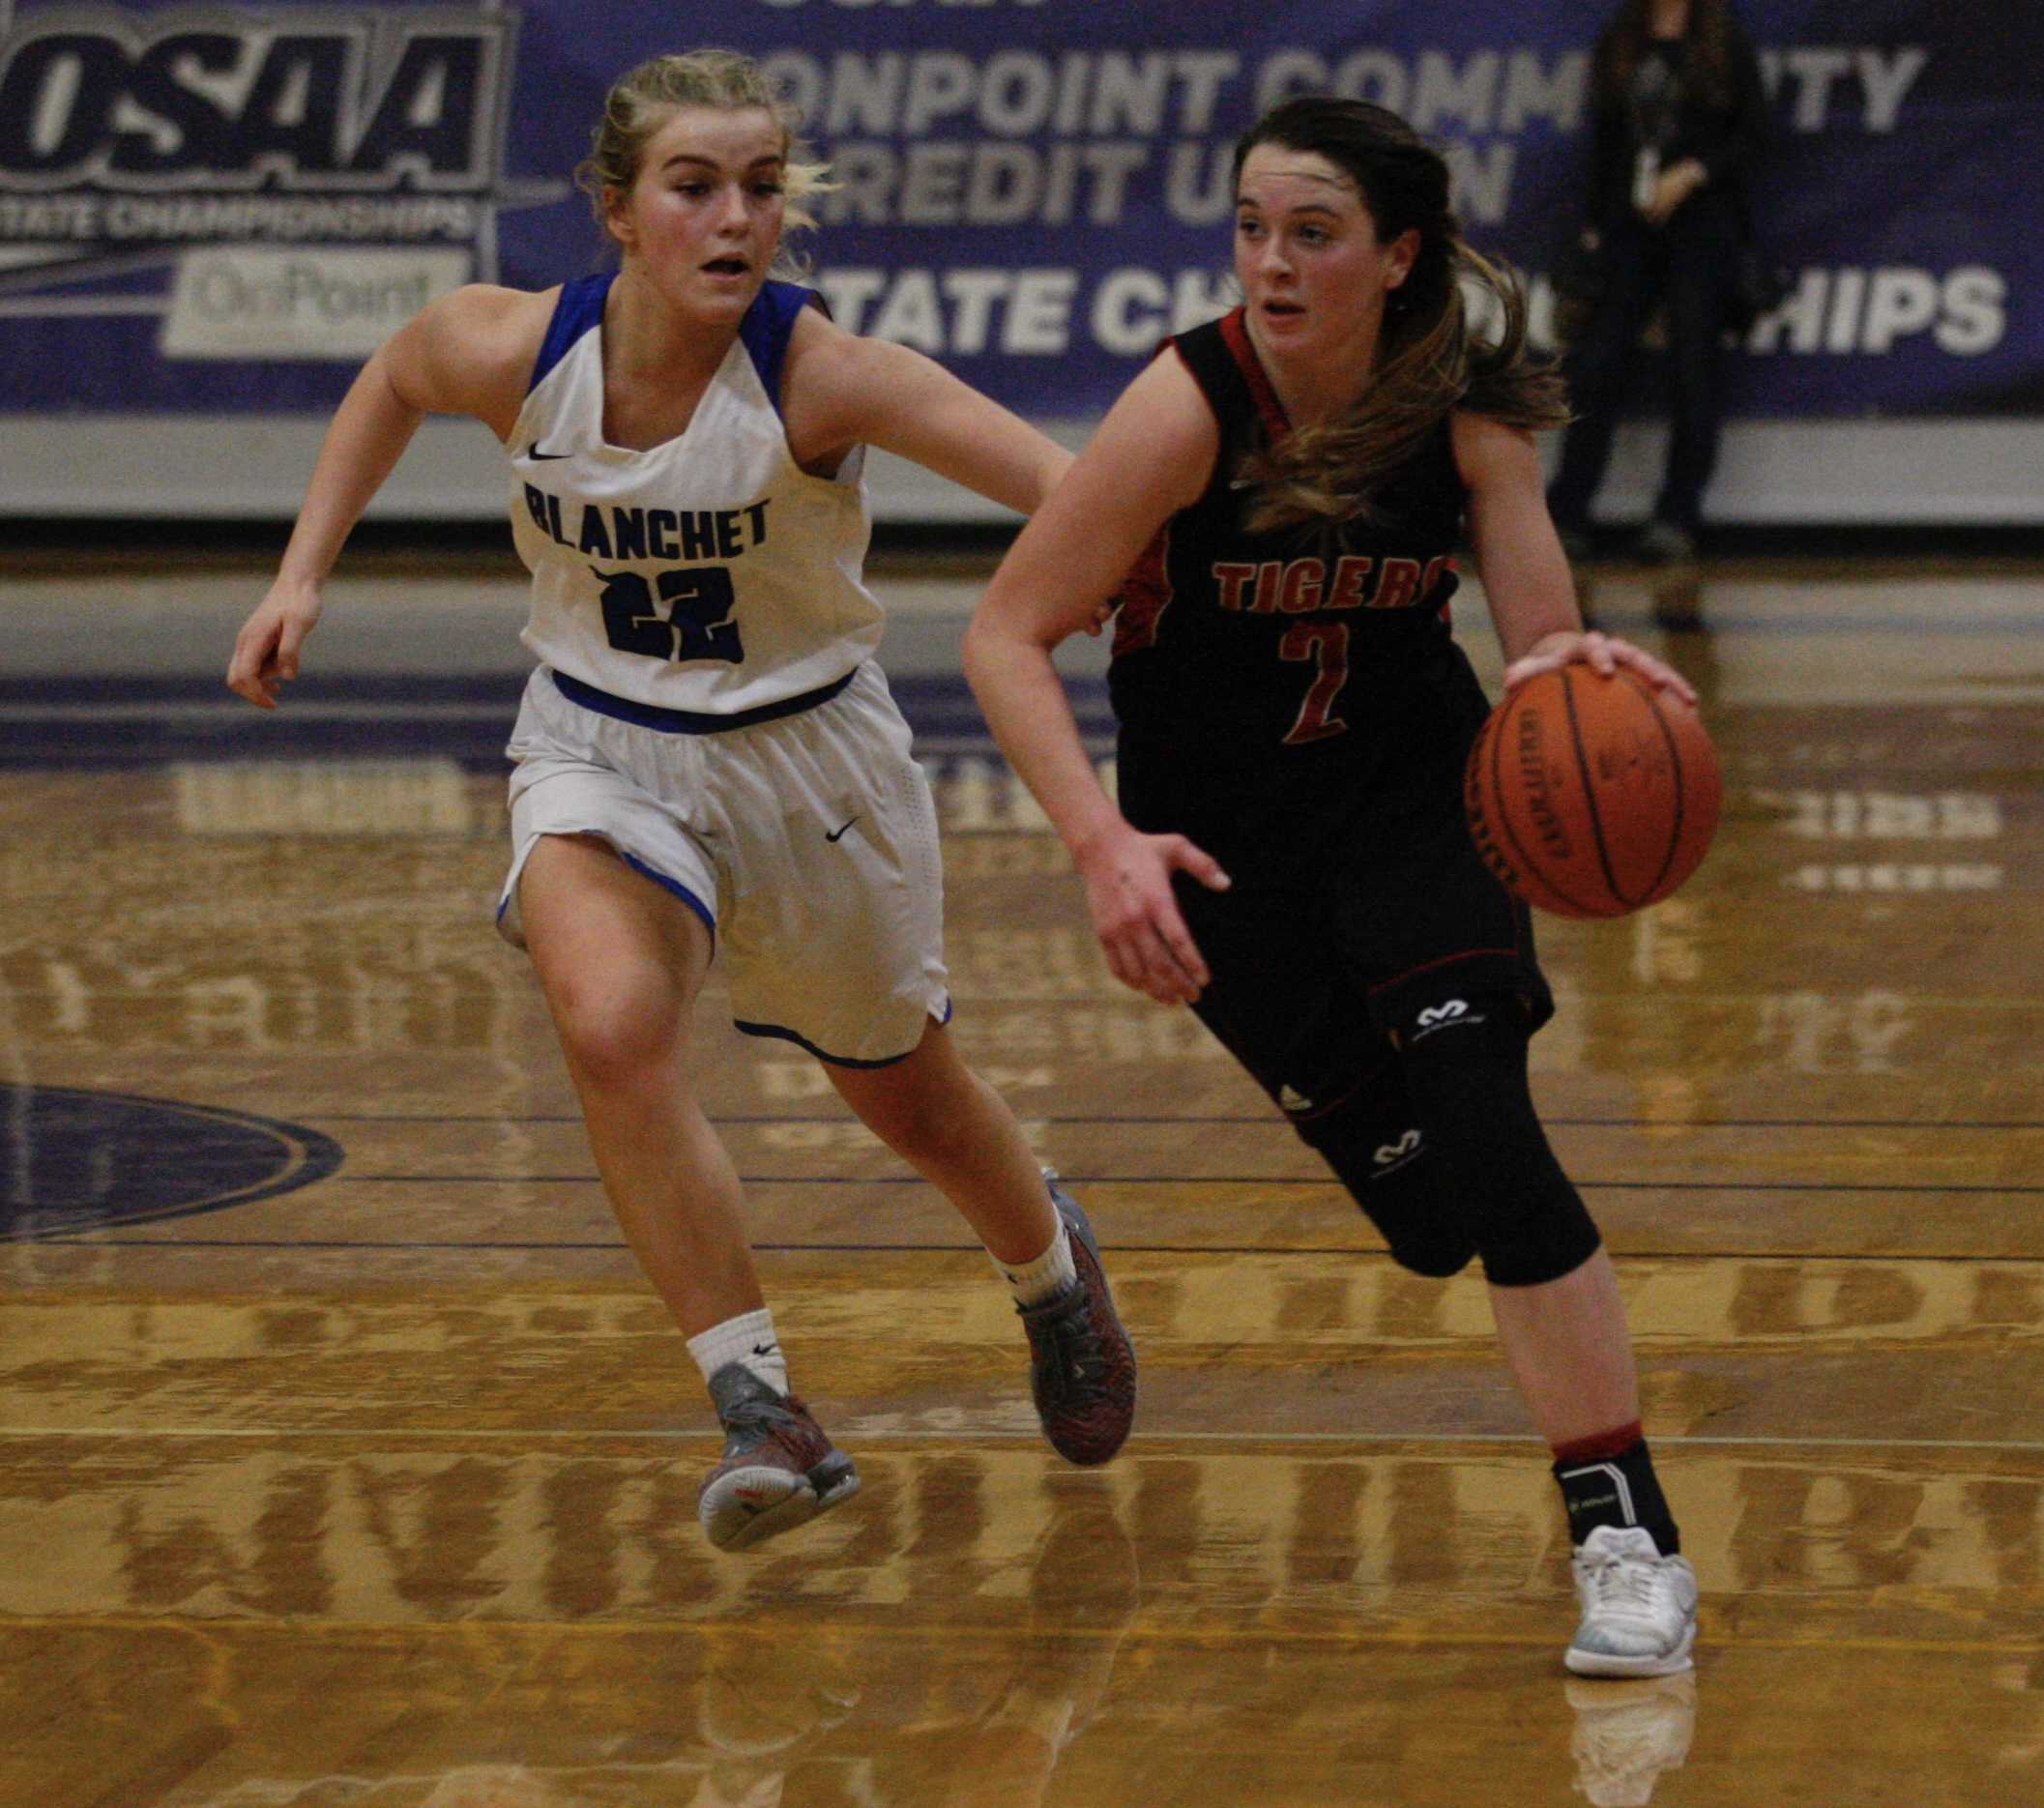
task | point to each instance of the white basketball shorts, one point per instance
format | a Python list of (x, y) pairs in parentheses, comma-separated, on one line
[(808, 845)]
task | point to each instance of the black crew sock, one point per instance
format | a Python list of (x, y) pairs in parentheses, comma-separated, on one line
[(1617, 1490)]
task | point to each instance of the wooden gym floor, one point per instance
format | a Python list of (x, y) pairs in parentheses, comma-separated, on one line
[(345, 1459)]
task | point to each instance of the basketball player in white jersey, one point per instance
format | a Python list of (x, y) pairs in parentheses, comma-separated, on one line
[(708, 761)]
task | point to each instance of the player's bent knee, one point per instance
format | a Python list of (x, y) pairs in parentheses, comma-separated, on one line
[(1463, 1062), (614, 1034), (1438, 1251), (1380, 1156), (1551, 1238)]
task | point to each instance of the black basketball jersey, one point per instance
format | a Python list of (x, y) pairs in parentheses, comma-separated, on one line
[(1300, 654)]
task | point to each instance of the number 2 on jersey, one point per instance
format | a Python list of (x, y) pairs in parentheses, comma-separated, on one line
[(1327, 645), (690, 619)]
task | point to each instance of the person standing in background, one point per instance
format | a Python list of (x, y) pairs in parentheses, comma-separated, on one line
[(1678, 129)]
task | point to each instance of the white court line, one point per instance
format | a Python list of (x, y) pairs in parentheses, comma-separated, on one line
[(847, 1428)]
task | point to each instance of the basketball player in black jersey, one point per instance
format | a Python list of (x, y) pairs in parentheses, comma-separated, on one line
[(1273, 510)]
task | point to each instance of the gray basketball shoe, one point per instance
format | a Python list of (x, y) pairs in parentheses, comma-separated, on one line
[(1081, 1363), (778, 1472)]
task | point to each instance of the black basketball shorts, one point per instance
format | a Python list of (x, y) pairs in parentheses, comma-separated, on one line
[(1335, 937)]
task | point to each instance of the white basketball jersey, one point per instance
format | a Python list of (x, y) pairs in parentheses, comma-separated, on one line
[(709, 573)]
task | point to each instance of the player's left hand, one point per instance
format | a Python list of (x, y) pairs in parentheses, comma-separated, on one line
[(1601, 653)]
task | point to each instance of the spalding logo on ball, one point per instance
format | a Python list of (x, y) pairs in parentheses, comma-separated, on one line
[(1591, 795)]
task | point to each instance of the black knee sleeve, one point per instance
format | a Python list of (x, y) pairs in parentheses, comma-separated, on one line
[(1464, 1065), (1373, 1142)]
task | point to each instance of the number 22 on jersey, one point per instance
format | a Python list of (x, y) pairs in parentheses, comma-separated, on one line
[(682, 614)]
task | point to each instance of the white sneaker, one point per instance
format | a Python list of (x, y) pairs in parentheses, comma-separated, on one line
[(1626, 1734), (1639, 1607)]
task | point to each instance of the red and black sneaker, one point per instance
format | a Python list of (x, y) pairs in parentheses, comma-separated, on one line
[(779, 1471), (1081, 1363)]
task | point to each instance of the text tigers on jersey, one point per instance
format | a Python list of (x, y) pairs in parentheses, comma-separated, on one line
[(1304, 586)]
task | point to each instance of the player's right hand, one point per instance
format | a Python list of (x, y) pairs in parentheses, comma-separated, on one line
[(1128, 878), (266, 649)]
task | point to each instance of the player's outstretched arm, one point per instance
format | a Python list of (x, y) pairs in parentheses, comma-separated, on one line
[(458, 355), (841, 390)]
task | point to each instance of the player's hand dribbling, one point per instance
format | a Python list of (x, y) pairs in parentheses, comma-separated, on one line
[(1601, 653), (266, 649), (1128, 878)]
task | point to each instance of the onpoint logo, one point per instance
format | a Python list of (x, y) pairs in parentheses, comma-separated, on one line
[(324, 301)]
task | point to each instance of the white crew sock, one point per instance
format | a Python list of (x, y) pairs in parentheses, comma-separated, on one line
[(748, 1340), (1048, 1276)]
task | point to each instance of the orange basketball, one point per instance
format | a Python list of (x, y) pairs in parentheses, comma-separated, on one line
[(1593, 796)]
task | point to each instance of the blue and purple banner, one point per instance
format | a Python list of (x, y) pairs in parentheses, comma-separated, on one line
[(221, 209)]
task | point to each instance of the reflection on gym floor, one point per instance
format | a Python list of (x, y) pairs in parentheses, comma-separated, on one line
[(345, 1459)]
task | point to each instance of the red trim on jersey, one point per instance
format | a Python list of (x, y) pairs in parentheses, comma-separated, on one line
[(1318, 1112), (1144, 595), (1446, 960), (1444, 563), (1235, 332)]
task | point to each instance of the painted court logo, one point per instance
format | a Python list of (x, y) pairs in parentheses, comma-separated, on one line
[(72, 1160)]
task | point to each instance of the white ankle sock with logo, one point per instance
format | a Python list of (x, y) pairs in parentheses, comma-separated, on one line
[(1048, 1276), (748, 1340)]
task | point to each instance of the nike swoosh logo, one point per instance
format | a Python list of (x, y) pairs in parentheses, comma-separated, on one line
[(833, 837), (535, 454)]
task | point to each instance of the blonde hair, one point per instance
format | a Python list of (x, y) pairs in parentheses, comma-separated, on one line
[(643, 99)]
